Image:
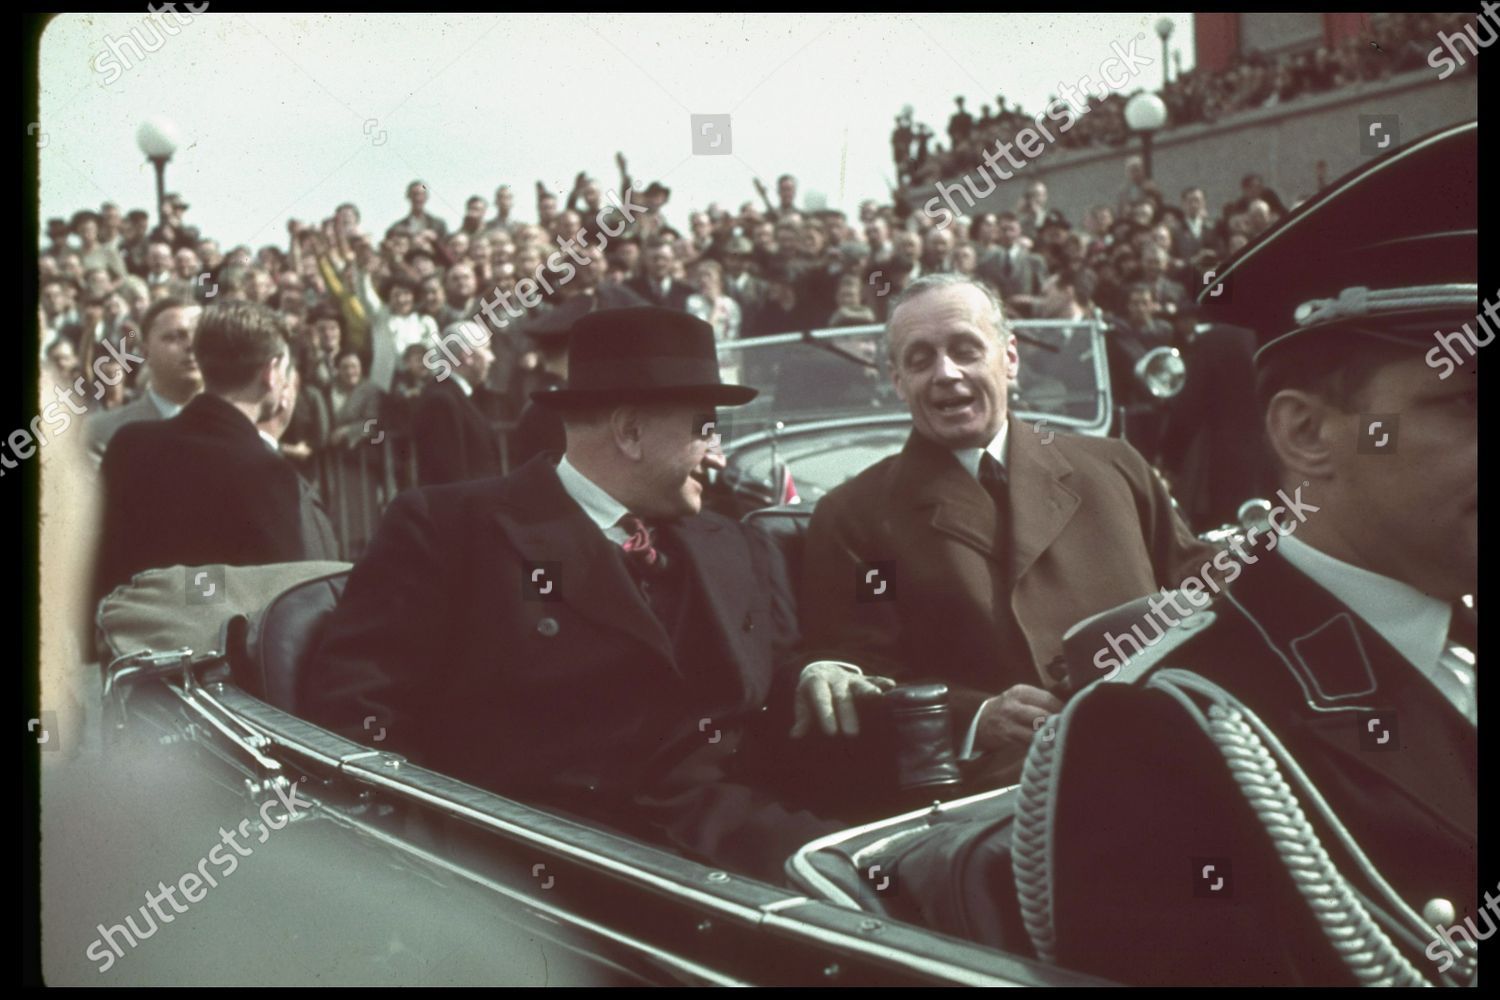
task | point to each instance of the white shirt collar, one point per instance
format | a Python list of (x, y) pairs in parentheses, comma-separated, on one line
[(603, 509), (1414, 623), (271, 442), (969, 457), (462, 383), (165, 407)]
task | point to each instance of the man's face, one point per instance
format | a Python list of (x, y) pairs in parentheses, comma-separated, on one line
[(952, 365), (474, 209), (566, 225), (546, 210), (461, 282), (675, 459), (88, 231), (787, 190), (111, 217), (417, 195), (939, 244), (907, 246), (504, 199), (965, 259), (350, 371), (432, 297), (1010, 231), (1415, 509), (262, 286), (1140, 307), (96, 283), (159, 256), (64, 363), (1037, 195), (169, 348), (659, 262), (326, 335), (875, 234), (1193, 203)]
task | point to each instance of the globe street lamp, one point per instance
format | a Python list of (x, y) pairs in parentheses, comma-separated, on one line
[(157, 138), (1164, 28), (1145, 113)]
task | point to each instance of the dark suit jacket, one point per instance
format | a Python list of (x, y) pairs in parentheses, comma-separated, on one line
[(453, 439), (1208, 238), (200, 488), (677, 292), (1024, 276), (573, 701), (1092, 526), (101, 427), (1143, 792)]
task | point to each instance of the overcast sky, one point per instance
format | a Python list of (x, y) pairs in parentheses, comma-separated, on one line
[(286, 115)]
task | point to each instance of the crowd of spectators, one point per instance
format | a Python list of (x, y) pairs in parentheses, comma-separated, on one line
[(371, 313), (1397, 43)]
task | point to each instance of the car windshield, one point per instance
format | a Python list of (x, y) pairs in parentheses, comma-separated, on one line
[(844, 375)]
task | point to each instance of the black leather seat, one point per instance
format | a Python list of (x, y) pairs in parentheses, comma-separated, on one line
[(787, 527), (269, 650)]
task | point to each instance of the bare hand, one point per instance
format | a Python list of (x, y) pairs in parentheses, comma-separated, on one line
[(827, 692), (1010, 719)]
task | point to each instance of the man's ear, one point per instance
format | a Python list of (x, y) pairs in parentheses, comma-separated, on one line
[(627, 428), (1306, 432)]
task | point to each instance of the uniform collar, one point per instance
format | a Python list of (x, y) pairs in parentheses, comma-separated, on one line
[(1415, 624)]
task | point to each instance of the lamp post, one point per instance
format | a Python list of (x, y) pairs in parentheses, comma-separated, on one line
[(157, 138), (1164, 28), (1145, 113)]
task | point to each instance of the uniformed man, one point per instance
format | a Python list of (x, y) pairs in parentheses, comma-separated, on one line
[(1284, 789)]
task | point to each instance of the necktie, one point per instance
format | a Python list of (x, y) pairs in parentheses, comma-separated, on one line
[(997, 484), (641, 554)]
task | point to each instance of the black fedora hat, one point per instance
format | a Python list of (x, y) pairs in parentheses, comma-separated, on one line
[(642, 354)]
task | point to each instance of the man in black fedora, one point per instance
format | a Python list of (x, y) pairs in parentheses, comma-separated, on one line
[(1284, 789), (579, 634)]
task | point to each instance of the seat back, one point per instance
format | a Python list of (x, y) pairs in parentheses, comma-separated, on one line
[(787, 527), (269, 650)]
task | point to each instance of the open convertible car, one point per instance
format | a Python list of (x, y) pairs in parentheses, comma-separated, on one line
[(388, 872)]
